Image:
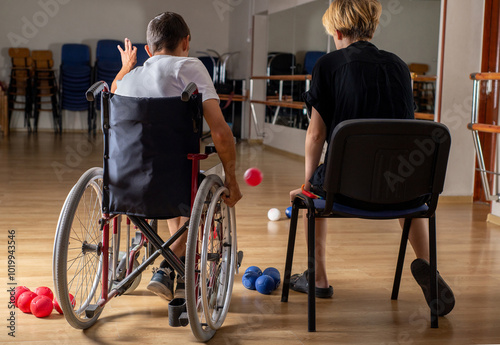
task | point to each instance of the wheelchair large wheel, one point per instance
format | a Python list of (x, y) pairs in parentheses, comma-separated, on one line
[(210, 259), (77, 256)]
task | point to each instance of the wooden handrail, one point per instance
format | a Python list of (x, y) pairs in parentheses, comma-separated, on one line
[(234, 98), (485, 76), (424, 78), (424, 116), (284, 104), (483, 127), (296, 77)]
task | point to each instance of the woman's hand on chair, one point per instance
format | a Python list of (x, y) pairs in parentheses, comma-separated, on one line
[(293, 193)]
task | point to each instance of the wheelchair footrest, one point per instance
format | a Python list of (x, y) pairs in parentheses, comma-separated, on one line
[(177, 315), (92, 310)]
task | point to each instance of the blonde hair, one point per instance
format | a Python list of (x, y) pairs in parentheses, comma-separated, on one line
[(355, 19)]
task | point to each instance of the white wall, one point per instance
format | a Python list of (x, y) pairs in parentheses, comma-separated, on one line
[(48, 24), (462, 56), (410, 29)]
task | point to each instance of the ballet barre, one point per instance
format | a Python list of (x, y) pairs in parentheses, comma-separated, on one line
[(476, 127)]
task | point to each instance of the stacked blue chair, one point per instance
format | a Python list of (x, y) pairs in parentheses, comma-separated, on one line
[(310, 60), (142, 55), (107, 65), (108, 60), (75, 78)]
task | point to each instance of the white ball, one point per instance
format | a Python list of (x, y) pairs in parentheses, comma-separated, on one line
[(274, 214)]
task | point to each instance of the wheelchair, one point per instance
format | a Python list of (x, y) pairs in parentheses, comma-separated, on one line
[(151, 171)]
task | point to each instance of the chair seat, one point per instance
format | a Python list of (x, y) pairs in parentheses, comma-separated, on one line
[(343, 210)]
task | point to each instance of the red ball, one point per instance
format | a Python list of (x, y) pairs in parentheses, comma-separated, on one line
[(41, 306), (253, 177), (24, 301), (19, 291), (44, 291), (58, 307)]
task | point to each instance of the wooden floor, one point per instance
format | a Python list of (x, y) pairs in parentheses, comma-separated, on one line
[(37, 171)]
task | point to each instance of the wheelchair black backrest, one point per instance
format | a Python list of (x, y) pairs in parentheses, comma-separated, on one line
[(386, 163), (147, 172)]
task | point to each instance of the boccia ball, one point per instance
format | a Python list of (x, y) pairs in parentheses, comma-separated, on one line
[(19, 290), (264, 284), (41, 306), (254, 269), (288, 212), (249, 280), (57, 307), (44, 291), (273, 273), (253, 177), (24, 301), (273, 214)]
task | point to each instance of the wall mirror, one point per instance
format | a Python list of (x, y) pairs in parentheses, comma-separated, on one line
[(296, 38)]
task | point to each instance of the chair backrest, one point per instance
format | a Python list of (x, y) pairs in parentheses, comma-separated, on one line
[(142, 55), (42, 59), (107, 50), (310, 60), (75, 54), (210, 63), (418, 68), (386, 163), (281, 64), (20, 57), (146, 147)]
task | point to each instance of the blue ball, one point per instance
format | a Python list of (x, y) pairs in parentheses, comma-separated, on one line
[(264, 284), (249, 279), (254, 269), (273, 273), (288, 212)]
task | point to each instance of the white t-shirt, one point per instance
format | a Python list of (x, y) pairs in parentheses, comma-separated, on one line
[(166, 76)]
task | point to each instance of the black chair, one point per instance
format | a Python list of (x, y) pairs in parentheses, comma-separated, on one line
[(377, 169)]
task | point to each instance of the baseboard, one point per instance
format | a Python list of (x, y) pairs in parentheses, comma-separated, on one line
[(255, 141), (455, 199), (491, 218), (284, 153)]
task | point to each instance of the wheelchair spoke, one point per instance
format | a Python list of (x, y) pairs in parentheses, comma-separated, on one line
[(78, 249)]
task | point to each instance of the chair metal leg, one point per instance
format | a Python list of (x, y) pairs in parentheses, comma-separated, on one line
[(289, 253), (311, 248), (401, 259), (433, 277)]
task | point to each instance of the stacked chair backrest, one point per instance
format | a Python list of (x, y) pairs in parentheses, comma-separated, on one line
[(75, 76), (142, 55), (310, 60), (108, 60), (42, 59)]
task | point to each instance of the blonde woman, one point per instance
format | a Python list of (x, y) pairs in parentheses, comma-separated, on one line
[(358, 81)]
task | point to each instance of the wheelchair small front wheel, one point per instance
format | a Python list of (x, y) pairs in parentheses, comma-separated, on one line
[(77, 256), (210, 259)]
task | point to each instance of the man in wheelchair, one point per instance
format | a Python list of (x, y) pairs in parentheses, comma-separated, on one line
[(166, 74)]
